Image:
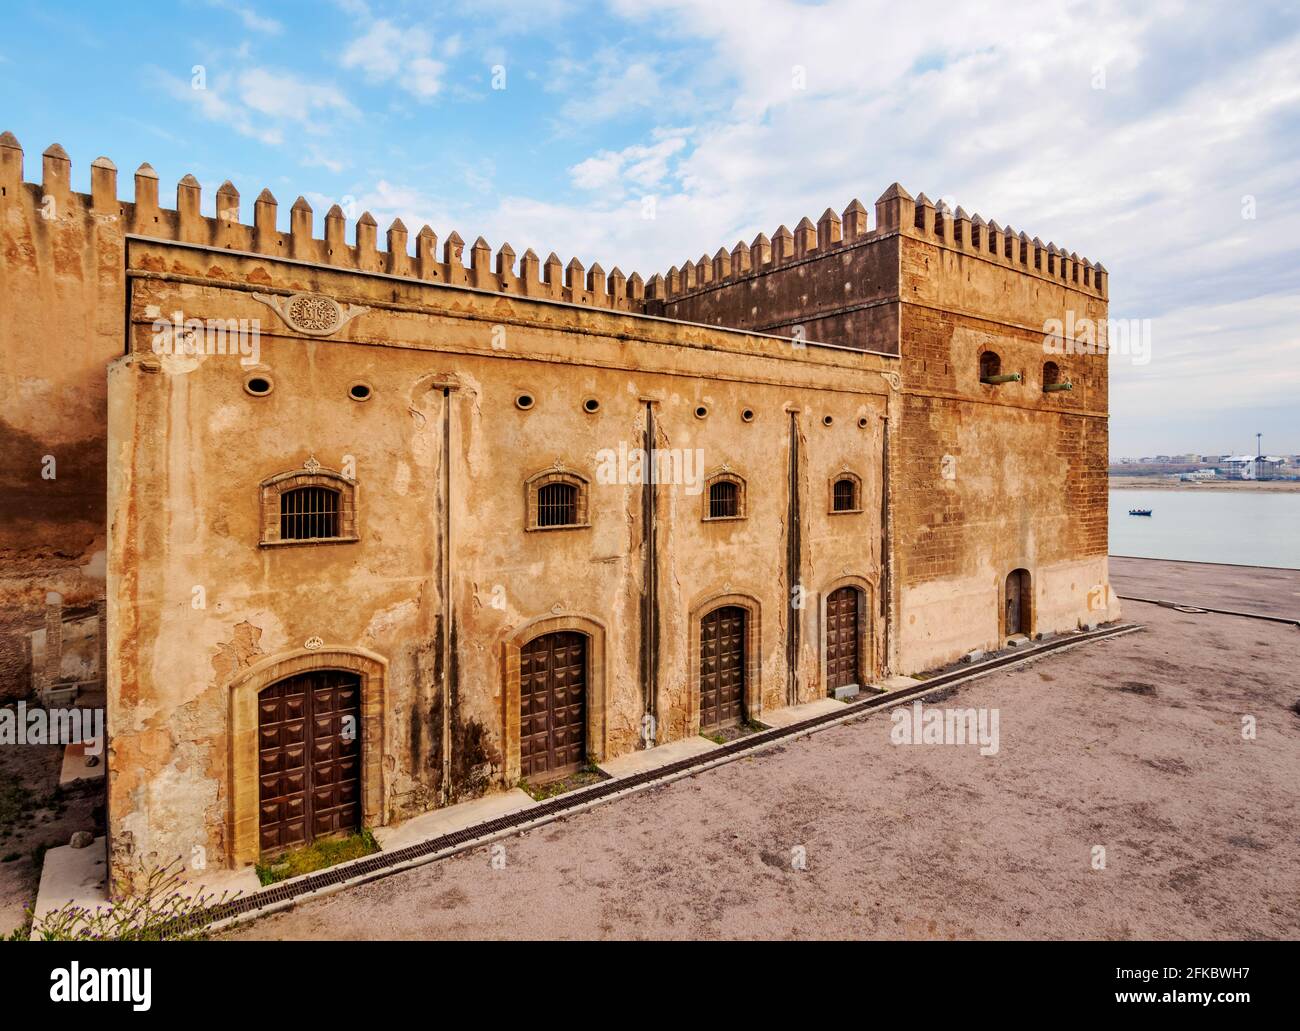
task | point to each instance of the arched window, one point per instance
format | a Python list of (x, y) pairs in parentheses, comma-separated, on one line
[(311, 505), (1051, 374), (556, 499), (725, 497), (990, 366), (846, 493)]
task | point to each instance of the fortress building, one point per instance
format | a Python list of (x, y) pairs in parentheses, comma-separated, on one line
[(380, 530)]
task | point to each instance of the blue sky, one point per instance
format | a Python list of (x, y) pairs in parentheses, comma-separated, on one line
[(1140, 135)]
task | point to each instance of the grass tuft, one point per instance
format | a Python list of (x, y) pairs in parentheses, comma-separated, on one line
[(319, 855)]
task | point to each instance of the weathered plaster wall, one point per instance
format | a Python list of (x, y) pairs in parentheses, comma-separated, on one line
[(190, 447), (60, 323)]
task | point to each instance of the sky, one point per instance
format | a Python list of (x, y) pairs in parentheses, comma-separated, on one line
[(1159, 138)]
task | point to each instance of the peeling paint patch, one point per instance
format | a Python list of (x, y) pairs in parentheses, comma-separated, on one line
[(239, 653)]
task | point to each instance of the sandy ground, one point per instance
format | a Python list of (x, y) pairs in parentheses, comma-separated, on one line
[(1266, 590), (1134, 745), (1171, 482)]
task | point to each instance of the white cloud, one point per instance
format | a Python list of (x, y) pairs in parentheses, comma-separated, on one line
[(261, 103), (387, 53), (253, 21), (286, 97), (424, 77), (638, 165)]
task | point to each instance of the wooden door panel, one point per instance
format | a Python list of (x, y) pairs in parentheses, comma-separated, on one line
[(309, 758), (843, 637), (722, 667), (553, 705)]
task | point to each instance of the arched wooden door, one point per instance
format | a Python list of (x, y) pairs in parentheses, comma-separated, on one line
[(843, 638), (309, 758), (552, 705), (722, 667), (1016, 615)]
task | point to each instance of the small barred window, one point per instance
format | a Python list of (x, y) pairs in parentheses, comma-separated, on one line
[(845, 490), (724, 497), (557, 505), (724, 500), (308, 505), (555, 499), (309, 513)]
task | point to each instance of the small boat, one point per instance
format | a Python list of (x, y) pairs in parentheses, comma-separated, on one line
[(1139, 511)]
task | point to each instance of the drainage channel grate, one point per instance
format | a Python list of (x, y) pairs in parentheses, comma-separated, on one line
[(364, 868)]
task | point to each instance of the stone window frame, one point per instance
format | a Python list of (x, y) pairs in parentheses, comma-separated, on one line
[(539, 480), (725, 475), (244, 776), (274, 487), (844, 474), (598, 682), (753, 693)]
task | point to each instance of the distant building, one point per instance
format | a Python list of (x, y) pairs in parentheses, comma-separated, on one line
[(1270, 467), (1238, 467)]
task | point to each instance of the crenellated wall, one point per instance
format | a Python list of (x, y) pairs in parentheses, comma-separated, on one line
[(840, 281), (61, 302)]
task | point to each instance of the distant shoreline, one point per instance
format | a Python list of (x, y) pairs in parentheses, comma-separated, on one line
[(1165, 483)]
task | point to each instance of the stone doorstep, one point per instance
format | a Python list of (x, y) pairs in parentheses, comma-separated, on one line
[(438, 822), (426, 826), (214, 883), (644, 759), (789, 715), (895, 684), (74, 764), (76, 875)]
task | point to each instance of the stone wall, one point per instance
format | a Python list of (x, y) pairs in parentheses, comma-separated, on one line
[(445, 580)]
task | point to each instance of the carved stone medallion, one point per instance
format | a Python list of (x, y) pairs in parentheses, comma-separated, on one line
[(312, 314)]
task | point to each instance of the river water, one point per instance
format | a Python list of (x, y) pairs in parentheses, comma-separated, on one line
[(1239, 527)]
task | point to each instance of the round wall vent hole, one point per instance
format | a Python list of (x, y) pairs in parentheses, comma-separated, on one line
[(258, 386), (590, 405), (359, 391), (524, 401)]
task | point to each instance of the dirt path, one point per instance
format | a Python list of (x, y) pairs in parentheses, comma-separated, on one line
[(36, 814), (1134, 745)]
